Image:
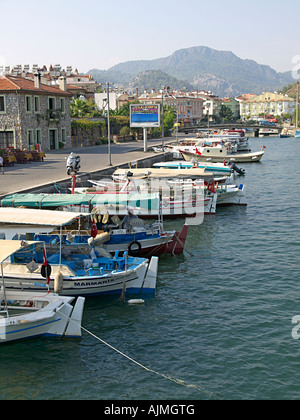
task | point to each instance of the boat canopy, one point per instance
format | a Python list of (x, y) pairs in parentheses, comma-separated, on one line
[(9, 215), (164, 173), (9, 247), (143, 201), (42, 201)]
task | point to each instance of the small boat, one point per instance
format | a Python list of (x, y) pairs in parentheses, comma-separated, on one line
[(70, 228), (27, 314), (297, 134), (77, 271), (220, 154), (216, 168), (179, 199), (237, 136), (160, 149), (231, 195), (285, 134)]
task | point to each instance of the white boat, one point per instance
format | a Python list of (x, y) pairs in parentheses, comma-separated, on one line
[(268, 132), (236, 136), (26, 314), (177, 200), (220, 154), (74, 229), (224, 191), (216, 168), (77, 269), (231, 195), (78, 273)]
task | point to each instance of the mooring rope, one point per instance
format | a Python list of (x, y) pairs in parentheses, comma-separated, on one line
[(177, 381)]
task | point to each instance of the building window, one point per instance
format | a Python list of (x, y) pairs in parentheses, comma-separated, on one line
[(2, 104), (38, 136), (28, 104), (62, 105), (51, 107), (29, 138), (6, 139), (37, 104), (63, 135)]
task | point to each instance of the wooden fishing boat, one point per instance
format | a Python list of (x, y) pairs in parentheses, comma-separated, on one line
[(69, 228), (73, 272)]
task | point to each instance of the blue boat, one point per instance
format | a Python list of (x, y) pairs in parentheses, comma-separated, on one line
[(77, 269), (297, 135), (78, 274), (215, 168)]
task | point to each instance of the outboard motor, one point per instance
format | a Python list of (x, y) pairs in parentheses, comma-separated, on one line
[(235, 168)]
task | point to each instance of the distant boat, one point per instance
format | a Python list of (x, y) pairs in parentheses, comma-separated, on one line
[(297, 135), (285, 134)]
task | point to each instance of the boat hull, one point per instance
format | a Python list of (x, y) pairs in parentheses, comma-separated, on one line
[(238, 157), (92, 284), (51, 320), (167, 243), (219, 170), (232, 195)]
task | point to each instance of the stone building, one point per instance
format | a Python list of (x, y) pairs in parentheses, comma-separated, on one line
[(34, 113)]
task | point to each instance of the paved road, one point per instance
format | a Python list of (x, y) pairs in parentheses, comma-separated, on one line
[(53, 169)]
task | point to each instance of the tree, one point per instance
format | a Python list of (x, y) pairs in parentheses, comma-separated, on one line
[(124, 110), (81, 108), (226, 113), (169, 118)]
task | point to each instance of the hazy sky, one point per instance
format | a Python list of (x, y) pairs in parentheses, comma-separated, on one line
[(99, 34)]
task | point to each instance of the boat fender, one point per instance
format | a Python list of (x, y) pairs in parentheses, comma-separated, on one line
[(132, 248), (58, 282), (101, 238), (135, 301)]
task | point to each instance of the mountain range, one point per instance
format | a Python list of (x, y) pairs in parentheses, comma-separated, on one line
[(202, 68)]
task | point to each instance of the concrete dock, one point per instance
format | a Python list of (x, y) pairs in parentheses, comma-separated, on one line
[(40, 176)]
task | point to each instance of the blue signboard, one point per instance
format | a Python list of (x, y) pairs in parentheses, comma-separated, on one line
[(145, 115)]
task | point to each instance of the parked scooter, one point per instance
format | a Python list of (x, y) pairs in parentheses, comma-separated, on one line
[(73, 163)]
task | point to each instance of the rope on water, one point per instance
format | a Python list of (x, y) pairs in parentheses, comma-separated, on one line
[(177, 381)]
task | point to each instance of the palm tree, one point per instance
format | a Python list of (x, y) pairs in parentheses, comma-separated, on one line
[(79, 108)]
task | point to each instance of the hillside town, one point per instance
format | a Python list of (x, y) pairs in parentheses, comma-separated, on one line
[(35, 106)]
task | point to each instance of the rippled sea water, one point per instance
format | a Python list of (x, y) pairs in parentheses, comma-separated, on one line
[(221, 320)]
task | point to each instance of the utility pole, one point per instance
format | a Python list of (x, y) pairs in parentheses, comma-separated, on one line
[(108, 127), (297, 106), (162, 119)]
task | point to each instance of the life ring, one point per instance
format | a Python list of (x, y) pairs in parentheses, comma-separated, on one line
[(46, 270), (134, 251)]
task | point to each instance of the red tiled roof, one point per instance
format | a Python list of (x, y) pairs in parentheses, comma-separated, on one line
[(13, 83)]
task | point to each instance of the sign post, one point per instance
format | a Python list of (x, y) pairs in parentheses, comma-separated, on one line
[(144, 116)]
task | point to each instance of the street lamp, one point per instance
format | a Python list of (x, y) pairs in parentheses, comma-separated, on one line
[(108, 127), (162, 119)]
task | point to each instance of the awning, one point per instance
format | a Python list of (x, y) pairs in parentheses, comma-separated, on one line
[(8, 248), (17, 216), (177, 173)]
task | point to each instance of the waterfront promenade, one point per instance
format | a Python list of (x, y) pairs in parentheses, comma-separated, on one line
[(53, 169)]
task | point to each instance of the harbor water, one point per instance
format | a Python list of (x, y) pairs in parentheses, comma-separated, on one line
[(220, 325)]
